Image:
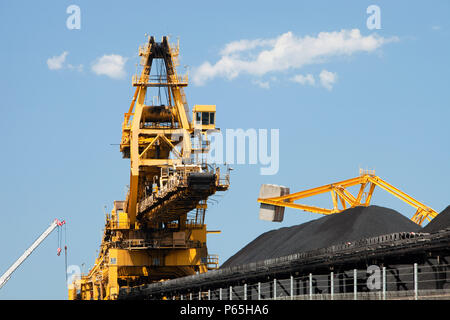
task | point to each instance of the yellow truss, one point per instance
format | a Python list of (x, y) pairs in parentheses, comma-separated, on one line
[(340, 195)]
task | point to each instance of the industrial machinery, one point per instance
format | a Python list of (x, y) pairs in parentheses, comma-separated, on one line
[(7, 275), (159, 231), (275, 198)]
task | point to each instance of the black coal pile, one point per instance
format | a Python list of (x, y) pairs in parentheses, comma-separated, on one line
[(442, 221), (347, 226)]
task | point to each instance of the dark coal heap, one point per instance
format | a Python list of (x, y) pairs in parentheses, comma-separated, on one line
[(442, 221), (347, 226)]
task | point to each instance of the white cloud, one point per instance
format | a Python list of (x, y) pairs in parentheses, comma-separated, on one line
[(57, 62), (285, 52), (78, 68), (110, 65), (262, 84), (327, 79), (436, 28), (244, 45), (308, 79)]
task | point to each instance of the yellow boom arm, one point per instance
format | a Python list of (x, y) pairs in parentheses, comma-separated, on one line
[(340, 195)]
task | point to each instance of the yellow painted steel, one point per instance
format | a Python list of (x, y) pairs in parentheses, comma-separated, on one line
[(158, 232), (340, 193)]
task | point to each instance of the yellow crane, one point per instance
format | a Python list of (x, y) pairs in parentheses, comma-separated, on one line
[(341, 197), (159, 231)]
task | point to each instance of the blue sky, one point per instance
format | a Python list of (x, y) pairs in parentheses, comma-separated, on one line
[(386, 108)]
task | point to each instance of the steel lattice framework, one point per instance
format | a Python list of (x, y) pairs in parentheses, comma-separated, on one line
[(342, 198)]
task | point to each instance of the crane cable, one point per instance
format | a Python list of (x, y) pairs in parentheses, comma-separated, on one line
[(65, 250), (58, 251), (60, 232)]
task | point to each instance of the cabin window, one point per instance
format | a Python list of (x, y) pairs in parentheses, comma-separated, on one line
[(204, 118)]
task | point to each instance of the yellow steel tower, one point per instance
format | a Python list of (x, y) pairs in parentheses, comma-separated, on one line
[(158, 232)]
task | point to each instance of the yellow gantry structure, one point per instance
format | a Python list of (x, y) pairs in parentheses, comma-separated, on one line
[(159, 231), (342, 199)]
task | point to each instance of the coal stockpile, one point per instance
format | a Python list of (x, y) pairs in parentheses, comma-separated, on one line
[(442, 221), (347, 226)]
